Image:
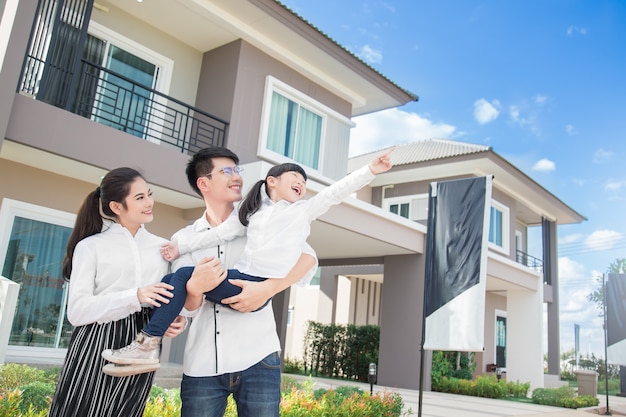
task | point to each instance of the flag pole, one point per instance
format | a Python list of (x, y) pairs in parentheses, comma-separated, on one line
[(430, 237), (607, 412)]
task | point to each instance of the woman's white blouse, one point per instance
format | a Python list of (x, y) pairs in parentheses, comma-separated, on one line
[(107, 269)]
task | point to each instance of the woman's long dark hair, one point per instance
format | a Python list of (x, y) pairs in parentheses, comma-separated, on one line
[(115, 186), (252, 203)]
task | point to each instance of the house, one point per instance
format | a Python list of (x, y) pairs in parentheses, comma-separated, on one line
[(519, 284), (87, 86)]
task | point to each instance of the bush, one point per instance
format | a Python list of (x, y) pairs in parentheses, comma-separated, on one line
[(482, 386), (36, 395), (563, 397), (298, 399), (13, 375)]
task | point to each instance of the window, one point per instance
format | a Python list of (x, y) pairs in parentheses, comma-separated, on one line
[(294, 131), (316, 278), (499, 227), (412, 207), (294, 128), (32, 247), (401, 209), (501, 342)]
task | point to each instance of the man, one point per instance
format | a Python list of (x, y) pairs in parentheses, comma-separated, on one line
[(228, 350)]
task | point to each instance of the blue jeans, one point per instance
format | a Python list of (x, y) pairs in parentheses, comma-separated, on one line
[(163, 316), (256, 391)]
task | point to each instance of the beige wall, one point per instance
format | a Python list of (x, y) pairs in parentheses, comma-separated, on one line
[(43, 188), (187, 61)]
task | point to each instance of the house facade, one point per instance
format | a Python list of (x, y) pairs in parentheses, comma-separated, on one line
[(521, 287), (87, 86)]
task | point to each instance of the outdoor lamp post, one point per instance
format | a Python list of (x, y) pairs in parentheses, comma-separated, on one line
[(499, 374), (372, 377)]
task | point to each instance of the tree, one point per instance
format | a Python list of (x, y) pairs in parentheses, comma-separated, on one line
[(597, 296)]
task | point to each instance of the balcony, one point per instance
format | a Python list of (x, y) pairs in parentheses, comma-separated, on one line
[(529, 261), (60, 69)]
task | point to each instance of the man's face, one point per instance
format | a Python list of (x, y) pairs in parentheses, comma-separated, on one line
[(220, 185)]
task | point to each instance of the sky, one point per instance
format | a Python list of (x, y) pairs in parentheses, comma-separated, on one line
[(543, 82)]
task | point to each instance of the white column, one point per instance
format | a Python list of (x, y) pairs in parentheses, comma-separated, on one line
[(8, 301), (524, 327)]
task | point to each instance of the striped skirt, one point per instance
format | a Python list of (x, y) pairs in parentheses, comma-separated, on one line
[(83, 390)]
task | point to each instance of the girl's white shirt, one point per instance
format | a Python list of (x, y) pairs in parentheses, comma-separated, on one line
[(277, 233), (107, 270)]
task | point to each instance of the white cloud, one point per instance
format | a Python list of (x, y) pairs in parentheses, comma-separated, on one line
[(540, 99), (524, 117), (574, 287), (485, 112), (370, 55), (393, 127), (603, 239), (573, 238), (573, 30), (614, 185), (544, 165), (601, 156), (571, 130)]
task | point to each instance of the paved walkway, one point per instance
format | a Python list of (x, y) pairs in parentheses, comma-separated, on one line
[(436, 404)]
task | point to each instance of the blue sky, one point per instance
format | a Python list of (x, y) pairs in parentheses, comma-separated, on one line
[(540, 81)]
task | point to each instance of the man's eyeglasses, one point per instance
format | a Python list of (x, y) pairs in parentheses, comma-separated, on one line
[(228, 171)]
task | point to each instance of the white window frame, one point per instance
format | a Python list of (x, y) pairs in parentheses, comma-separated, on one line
[(9, 210), (388, 202), (410, 199), (505, 248), (498, 313), (274, 85)]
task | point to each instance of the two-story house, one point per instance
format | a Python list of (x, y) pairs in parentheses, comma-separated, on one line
[(87, 86)]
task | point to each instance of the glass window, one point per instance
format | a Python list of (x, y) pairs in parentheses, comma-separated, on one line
[(317, 277), (402, 209), (294, 131), (33, 258), (495, 227), (501, 342)]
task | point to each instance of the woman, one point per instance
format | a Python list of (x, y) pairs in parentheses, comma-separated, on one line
[(114, 269)]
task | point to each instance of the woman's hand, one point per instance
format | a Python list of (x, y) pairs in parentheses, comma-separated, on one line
[(155, 294)]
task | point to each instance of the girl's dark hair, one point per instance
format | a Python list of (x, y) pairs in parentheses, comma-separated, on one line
[(201, 163), (252, 203), (115, 186)]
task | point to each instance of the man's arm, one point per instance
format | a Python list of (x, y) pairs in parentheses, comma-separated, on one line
[(254, 294)]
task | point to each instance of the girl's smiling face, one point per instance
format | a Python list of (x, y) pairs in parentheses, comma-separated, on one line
[(289, 186)]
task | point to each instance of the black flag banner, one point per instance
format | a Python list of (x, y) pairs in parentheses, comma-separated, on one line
[(456, 264), (616, 319)]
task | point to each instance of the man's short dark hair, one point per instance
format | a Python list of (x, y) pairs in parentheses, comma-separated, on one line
[(201, 163)]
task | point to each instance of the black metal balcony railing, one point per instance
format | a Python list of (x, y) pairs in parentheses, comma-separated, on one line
[(529, 260), (117, 101)]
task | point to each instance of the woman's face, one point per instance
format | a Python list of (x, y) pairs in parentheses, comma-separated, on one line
[(139, 203)]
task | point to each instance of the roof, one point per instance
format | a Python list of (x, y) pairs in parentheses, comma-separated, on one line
[(439, 159), (421, 151), (413, 96)]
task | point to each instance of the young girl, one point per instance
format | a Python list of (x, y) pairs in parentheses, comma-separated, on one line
[(277, 228), (114, 275)]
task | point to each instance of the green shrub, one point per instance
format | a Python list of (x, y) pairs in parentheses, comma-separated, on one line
[(482, 386), (563, 397), (13, 375), (293, 366), (36, 395)]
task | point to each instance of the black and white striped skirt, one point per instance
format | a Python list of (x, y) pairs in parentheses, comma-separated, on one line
[(83, 390)]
